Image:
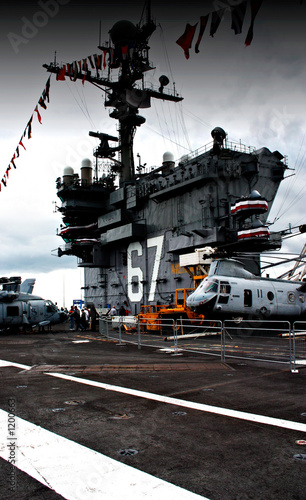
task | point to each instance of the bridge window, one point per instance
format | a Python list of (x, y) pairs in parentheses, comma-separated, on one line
[(12, 310), (247, 298)]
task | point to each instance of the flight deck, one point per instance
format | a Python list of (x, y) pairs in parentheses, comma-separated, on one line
[(108, 415)]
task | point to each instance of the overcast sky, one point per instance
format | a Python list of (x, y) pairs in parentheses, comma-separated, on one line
[(256, 93)]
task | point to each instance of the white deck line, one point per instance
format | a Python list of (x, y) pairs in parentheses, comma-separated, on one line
[(79, 473), (4, 363), (251, 417)]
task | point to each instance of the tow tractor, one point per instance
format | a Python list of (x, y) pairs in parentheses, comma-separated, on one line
[(158, 318)]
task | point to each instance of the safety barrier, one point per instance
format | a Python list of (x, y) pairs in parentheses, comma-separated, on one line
[(298, 345), (269, 341), (201, 336)]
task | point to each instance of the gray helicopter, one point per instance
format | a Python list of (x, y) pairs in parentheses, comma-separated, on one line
[(19, 308), (231, 291)]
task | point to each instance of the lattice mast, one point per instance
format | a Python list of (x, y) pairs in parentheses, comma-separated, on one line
[(128, 54)]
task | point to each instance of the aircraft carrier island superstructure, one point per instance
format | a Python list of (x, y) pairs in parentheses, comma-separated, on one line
[(133, 230)]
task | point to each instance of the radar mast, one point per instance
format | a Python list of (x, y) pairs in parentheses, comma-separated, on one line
[(128, 53)]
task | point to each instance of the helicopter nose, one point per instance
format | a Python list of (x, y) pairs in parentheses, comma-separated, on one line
[(63, 317)]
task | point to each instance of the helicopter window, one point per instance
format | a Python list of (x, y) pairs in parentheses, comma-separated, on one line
[(270, 295), (50, 307), (247, 298), (225, 287), (291, 297), (210, 286), (223, 299), (12, 310)]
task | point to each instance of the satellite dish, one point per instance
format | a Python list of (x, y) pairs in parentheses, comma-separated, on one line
[(218, 135), (123, 33), (163, 80)]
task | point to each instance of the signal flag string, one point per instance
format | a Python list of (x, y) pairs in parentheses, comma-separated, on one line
[(237, 10), (27, 131)]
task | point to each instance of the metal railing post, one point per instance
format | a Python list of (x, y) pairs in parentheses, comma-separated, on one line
[(293, 368), (101, 327), (120, 325), (174, 329), (138, 335), (222, 342)]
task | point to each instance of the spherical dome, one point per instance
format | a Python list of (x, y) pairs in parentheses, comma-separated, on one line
[(68, 171), (123, 32), (168, 156), (218, 133), (86, 163), (255, 195)]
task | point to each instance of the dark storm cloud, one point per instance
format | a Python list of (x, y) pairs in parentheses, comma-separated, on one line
[(72, 24), (256, 92)]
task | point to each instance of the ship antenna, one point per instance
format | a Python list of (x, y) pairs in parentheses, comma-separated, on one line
[(148, 6), (100, 29), (147, 10)]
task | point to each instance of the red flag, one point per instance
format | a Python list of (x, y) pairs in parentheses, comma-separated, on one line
[(185, 40), (124, 51), (104, 60), (98, 61), (255, 6), (204, 20), (61, 73), (38, 114), (20, 142)]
